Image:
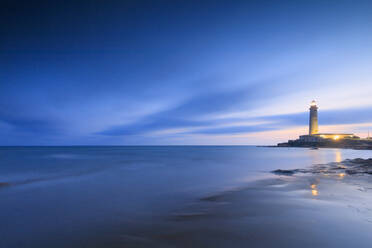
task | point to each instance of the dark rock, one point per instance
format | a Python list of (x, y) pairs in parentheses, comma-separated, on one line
[(351, 172), (361, 161), (348, 166), (284, 172), (3, 184)]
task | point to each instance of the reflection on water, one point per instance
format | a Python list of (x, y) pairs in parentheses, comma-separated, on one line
[(319, 156), (338, 157), (314, 190)]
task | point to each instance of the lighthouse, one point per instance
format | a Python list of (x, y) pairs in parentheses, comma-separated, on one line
[(316, 139), (313, 121)]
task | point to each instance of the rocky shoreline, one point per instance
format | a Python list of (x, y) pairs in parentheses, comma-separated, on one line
[(357, 144), (348, 166)]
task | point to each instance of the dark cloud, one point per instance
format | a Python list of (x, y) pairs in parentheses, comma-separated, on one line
[(32, 125)]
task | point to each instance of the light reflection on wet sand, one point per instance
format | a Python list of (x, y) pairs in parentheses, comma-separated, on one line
[(341, 209), (314, 190)]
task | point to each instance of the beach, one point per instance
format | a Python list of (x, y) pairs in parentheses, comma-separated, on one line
[(183, 197), (319, 209)]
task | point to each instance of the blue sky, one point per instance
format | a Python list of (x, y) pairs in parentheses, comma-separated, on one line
[(182, 72)]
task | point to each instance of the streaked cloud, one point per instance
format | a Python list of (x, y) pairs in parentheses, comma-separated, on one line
[(228, 72)]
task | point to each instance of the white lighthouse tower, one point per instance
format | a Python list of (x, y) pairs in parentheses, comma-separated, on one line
[(316, 139), (313, 121)]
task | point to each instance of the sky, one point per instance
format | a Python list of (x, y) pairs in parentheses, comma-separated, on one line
[(159, 72)]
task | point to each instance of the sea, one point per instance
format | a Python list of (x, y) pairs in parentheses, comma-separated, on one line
[(118, 196)]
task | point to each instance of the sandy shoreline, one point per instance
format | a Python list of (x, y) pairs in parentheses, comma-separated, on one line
[(316, 207)]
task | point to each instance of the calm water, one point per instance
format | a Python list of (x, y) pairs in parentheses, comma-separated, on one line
[(80, 196)]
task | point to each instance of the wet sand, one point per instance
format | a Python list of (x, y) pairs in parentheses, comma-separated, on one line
[(320, 207)]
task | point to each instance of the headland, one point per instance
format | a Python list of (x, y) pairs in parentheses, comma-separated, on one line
[(327, 140)]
